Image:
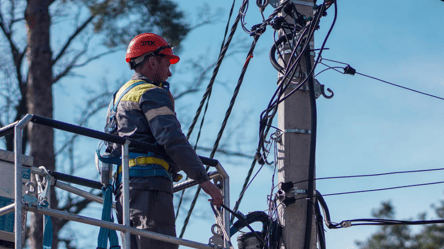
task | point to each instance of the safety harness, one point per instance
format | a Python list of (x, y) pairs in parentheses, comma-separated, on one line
[(141, 164)]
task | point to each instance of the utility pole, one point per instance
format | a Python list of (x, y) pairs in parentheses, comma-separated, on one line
[(295, 120)]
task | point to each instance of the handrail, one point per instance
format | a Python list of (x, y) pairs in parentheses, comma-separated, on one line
[(75, 180), (5, 130), (106, 137)]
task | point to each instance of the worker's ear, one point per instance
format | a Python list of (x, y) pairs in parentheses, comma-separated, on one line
[(152, 62)]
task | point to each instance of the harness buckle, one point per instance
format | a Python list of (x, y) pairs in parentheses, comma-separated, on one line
[(137, 160)]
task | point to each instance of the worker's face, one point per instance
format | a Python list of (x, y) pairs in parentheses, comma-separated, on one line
[(162, 70)]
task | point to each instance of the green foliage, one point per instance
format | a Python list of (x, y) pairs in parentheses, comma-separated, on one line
[(400, 236), (121, 20)]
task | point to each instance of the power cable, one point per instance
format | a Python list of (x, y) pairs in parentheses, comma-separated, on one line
[(242, 219), (375, 190), (247, 181), (382, 189), (352, 71), (372, 221), (268, 115), (403, 87), (224, 123), (386, 222), (207, 94), (307, 33), (250, 171), (371, 175)]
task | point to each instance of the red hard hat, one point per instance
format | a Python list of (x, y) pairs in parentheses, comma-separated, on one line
[(148, 42)]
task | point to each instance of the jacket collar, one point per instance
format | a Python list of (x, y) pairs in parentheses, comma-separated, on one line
[(139, 76)]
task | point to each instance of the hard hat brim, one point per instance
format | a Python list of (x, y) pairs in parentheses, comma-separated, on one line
[(173, 59)]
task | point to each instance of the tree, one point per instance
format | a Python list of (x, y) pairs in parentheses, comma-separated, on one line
[(30, 91), (401, 236)]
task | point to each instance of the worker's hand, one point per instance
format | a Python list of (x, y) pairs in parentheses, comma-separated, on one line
[(213, 191)]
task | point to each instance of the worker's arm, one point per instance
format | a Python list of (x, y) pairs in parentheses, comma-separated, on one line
[(159, 111)]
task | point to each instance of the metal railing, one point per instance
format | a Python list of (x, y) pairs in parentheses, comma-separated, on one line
[(17, 128)]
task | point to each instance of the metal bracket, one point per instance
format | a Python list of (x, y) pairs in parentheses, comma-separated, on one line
[(298, 131), (318, 87), (30, 200), (295, 191), (216, 241), (106, 173)]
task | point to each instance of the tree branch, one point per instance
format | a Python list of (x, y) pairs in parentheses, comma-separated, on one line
[(79, 207), (96, 57), (68, 67), (226, 152), (72, 37), (72, 64)]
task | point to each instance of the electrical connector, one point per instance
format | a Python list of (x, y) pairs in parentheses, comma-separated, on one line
[(349, 70)]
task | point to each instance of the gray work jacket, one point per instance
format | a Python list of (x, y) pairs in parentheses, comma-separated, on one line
[(146, 113)]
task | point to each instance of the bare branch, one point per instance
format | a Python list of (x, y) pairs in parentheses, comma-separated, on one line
[(226, 152), (96, 57), (72, 37), (17, 56), (68, 67), (206, 17), (7, 33), (73, 64), (74, 208), (17, 20)]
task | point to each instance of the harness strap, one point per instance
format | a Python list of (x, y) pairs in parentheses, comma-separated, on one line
[(106, 234), (140, 160), (116, 103), (47, 234)]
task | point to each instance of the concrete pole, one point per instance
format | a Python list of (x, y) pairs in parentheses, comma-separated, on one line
[(294, 118)]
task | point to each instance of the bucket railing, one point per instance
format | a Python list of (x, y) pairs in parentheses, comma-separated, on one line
[(220, 176)]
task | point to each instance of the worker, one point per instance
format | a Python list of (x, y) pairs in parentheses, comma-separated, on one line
[(145, 112)]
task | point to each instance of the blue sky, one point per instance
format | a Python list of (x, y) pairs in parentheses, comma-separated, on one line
[(368, 127)]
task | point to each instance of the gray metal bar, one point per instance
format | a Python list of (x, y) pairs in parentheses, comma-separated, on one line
[(18, 179), (7, 209), (5, 130), (226, 195), (79, 192), (190, 182), (126, 208), (114, 226)]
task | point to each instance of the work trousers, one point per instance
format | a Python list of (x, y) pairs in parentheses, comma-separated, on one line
[(150, 210)]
